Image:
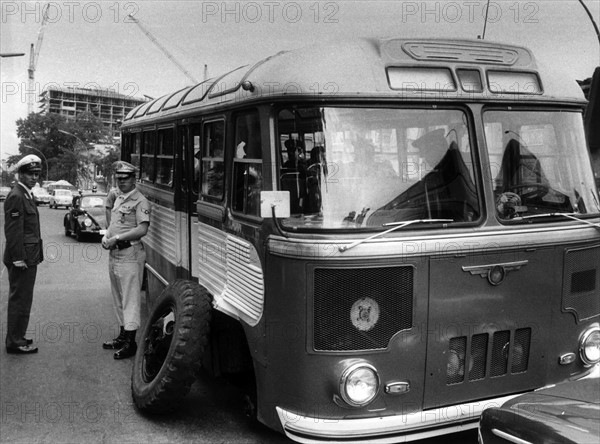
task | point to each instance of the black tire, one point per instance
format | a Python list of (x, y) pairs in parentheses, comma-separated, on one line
[(171, 346)]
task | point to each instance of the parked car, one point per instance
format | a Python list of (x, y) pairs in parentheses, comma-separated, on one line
[(4, 192), (41, 195), (87, 217), (60, 198), (567, 413)]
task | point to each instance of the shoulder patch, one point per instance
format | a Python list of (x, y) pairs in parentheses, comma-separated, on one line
[(145, 211)]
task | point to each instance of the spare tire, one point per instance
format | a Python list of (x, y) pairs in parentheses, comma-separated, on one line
[(171, 346)]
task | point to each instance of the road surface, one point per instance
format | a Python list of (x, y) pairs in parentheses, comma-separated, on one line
[(73, 391)]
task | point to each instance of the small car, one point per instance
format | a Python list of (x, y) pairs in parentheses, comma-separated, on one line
[(4, 192), (60, 198), (87, 217), (568, 412), (41, 195)]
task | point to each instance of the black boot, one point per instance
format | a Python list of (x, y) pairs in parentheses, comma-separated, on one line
[(129, 348), (116, 343)]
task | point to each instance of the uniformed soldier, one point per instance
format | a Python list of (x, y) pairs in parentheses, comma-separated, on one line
[(22, 254), (130, 218)]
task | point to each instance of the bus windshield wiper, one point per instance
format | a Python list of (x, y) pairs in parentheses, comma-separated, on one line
[(395, 226), (595, 200), (566, 215)]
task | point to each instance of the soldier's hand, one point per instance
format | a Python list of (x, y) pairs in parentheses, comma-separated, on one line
[(20, 264)]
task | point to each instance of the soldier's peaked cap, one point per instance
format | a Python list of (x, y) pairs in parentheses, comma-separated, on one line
[(29, 164), (122, 167)]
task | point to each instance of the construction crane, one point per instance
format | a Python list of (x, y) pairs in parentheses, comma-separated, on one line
[(162, 48), (34, 53)]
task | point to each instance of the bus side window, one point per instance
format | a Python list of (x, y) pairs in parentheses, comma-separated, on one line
[(164, 158), (135, 147), (213, 168), (195, 135), (247, 164), (148, 145)]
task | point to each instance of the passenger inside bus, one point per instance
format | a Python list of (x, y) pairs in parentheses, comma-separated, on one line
[(293, 176), (316, 175), (446, 191), (366, 163)]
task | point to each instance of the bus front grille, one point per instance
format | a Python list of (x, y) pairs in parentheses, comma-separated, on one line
[(361, 308), (496, 358), (580, 282)]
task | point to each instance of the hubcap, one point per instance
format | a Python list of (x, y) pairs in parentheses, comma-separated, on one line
[(157, 343)]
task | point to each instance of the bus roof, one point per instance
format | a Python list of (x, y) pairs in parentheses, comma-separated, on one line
[(393, 68)]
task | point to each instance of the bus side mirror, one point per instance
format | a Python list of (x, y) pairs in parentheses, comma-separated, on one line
[(280, 200)]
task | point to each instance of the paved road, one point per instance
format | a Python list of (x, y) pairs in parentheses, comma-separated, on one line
[(72, 391)]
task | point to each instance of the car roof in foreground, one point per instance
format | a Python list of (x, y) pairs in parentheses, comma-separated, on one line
[(566, 412), (586, 390)]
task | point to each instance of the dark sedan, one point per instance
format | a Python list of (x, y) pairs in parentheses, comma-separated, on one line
[(565, 413), (87, 216)]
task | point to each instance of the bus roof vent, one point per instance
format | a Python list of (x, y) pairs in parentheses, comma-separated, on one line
[(461, 52)]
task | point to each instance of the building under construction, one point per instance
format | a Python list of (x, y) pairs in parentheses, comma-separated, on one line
[(109, 106)]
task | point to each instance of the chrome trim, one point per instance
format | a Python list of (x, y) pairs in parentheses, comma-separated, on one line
[(485, 271), (397, 388), (509, 437), (157, 275), (386, 429), (584, 336), (230, 269), (433, 243), (162, 233), (344, 379), (566, 359)]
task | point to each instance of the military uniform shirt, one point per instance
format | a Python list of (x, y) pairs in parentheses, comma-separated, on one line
[(128, 212)]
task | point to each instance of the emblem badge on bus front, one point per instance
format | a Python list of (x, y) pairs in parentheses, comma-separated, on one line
[(495, 273), (365, 314)]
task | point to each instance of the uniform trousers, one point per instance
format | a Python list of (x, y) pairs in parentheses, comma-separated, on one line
[(20, 297), (126, 271)]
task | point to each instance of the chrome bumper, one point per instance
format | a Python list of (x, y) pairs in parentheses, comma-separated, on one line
[(387, 429)]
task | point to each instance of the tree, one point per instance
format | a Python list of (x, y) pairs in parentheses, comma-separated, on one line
[(104, 164), (64, 144)]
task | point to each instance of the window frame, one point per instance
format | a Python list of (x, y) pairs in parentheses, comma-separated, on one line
[(148, 134), (241, 167), (206, 158), (160, 156)]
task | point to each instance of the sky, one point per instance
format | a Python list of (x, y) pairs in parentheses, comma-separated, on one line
[(94, 44)]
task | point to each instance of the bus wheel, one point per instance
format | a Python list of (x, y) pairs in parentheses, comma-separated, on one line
[(172, 343)]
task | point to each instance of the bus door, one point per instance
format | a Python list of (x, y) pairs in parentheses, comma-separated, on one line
[(190, 139), (247, 174), (205, 151)]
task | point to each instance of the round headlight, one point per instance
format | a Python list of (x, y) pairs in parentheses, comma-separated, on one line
[(87, 222), (359, 384), (589, 346)]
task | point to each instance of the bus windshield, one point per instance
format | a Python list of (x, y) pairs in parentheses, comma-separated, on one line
[(357, 168), (538, 163)]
